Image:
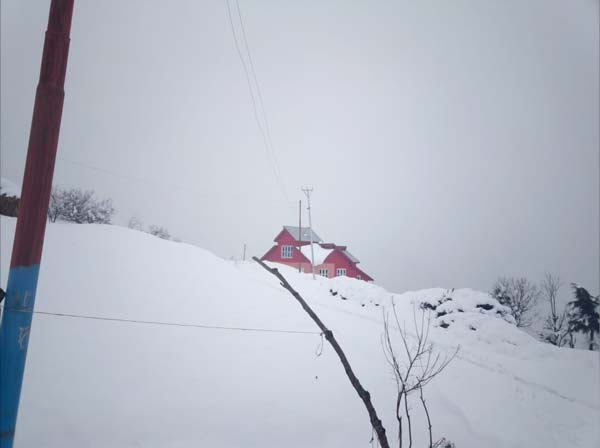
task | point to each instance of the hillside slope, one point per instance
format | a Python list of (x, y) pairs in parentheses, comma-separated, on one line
[(97, 383)]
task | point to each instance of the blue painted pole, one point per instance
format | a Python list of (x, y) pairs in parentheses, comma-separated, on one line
[(15, 326)]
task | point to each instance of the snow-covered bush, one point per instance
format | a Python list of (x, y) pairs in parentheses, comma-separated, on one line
[(136, 223), (466, 302), (79, 206), (159, 231)]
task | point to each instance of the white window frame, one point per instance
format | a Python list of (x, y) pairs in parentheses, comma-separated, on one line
[(358, 277), (341, 272), (324, 272), (287, 252)]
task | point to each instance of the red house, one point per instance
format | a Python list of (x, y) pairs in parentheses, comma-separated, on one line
[(293, 248)]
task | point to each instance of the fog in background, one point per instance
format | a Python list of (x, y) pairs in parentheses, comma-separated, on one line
[(448, 143)]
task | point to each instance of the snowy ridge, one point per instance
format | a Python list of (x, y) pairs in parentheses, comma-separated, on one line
[(96, 383)]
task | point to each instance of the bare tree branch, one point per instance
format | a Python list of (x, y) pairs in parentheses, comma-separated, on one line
[(428, 419), (556, 330), (520, 295), (360, 390), (422, 365)]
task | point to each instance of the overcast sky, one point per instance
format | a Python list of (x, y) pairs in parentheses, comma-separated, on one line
[(448, 143)]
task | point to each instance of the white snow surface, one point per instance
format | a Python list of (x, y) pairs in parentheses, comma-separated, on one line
[(97, 383), (320, 253), (9, 188)]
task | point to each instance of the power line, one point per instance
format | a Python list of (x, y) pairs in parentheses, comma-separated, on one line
[(258, 89), (264, 130), (141, 180), (161, 323), (120, 175)]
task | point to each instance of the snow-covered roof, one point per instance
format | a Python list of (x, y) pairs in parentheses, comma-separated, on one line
[(9, 188), (294, 231), (320, 253)]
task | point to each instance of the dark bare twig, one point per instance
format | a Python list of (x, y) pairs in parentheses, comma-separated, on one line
[(408, 420), (392, 359), (428, 419), (362, 393), (422, 365), (556, 330)]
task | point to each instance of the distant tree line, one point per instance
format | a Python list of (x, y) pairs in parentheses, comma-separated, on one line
[(561, 326), (136, 223), (81, 207)]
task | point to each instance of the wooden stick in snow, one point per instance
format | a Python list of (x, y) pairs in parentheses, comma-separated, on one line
[(362, 393)]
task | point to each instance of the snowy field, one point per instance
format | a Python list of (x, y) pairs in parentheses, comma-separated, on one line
[(96, 383)]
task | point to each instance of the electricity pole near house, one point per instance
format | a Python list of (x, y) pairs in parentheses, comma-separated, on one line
[(307, 191), (33, 210)]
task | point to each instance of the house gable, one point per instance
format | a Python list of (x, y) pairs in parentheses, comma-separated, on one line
[(341, 261), (285, 238)]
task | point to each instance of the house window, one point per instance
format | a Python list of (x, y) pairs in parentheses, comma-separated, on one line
[(323, 272), (359, 277), (287, 251), (340, 272)]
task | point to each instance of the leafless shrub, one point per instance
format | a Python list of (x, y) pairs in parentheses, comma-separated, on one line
[(520, 295), (556, 329), (423, 363)]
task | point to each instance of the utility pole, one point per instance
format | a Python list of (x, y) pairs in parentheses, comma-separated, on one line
[(33, 210), (300, 234), (244, 256), (307, 191)]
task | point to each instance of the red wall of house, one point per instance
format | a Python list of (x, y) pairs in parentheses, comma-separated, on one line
[(274, 254), (285, 239), (341, 261)]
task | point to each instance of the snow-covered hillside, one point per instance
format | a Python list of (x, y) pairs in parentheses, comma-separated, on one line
[(96, 383)]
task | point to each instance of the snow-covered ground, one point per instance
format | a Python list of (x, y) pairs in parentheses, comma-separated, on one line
[(94, 383)]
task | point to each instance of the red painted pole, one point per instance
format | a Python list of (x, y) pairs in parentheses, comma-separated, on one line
[(33, 210)]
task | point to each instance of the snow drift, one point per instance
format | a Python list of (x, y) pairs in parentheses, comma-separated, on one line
[(98, 383)]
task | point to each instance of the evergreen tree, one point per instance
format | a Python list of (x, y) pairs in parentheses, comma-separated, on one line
[(584, 315)]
